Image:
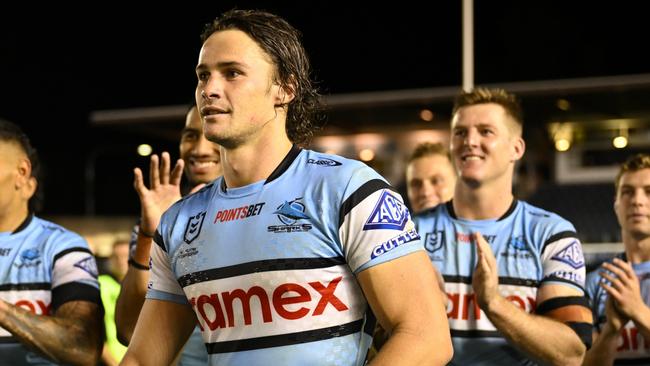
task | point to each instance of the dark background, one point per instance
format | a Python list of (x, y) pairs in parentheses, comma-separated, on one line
[(58, 65)]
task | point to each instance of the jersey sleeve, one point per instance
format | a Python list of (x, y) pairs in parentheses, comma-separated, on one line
[(74, 270), (563, 260), (162, 282), (375, 225)]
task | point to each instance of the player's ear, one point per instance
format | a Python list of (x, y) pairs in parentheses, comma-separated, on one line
[(284, 94), (25, 183)]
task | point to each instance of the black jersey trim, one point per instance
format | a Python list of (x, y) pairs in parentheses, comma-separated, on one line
[(70, 250), (9, 339), (25, 286), (284, 339), (361, 194), (284, 164), (158, 239), (632, 361), (74, 291), (558, 236), (558, 302), (277, 172), (502, 280), (511, 209), (259, 266), (475, 333), (371, 322), (24, 224)]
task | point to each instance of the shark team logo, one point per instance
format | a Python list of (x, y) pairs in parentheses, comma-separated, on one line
[(290, 213), (389, 213), (29, 258), (193, 228), (571, 255)]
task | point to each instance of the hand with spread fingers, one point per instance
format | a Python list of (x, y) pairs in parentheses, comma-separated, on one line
[(164, 189), (485, 279)]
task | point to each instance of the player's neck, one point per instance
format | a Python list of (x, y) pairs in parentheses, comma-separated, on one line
[(255, 161), (13, 218), (637, 249), (483, 202)]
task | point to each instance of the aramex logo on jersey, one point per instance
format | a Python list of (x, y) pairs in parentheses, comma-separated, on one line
[(291, 301), (389, 213)]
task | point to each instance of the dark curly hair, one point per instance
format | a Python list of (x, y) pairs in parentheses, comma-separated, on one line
[(10, 132), (282, 43)]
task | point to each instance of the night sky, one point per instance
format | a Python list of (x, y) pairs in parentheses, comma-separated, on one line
[(55, 67)]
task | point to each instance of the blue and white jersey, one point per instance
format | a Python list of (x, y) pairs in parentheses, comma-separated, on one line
[(42, 266), (269, 268), (193, 353), (632, 348), (532, 247)]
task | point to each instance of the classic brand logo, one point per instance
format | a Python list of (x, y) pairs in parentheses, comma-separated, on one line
[(193, 228), (389, 213), (323, 162)]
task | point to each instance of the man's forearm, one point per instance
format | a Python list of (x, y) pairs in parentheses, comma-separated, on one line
[(129, 303), (603, 350), (541, 337), (133, 290), (420, 350), (642, 321), (62, 339)]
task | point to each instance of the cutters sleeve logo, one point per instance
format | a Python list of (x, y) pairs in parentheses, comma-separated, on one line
[(193, 228), (389, 213)]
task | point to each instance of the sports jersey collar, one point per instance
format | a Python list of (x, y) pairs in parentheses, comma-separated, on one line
[(24, 224), (511, 209), (279, 170)]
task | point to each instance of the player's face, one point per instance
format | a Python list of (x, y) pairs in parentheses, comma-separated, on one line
[(484, 143), (235, 92), (632, 204), (429, 181), (202, 157)]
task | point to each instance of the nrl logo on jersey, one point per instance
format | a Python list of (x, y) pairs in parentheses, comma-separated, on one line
[(571, 255), (389, 213), (434, 241), (193, 228)]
